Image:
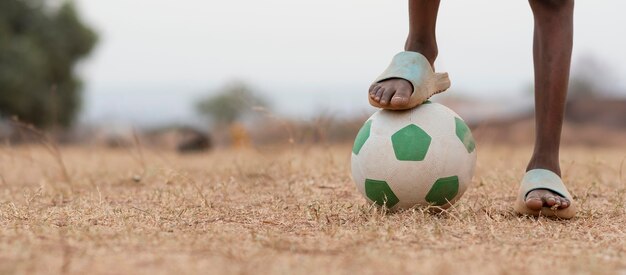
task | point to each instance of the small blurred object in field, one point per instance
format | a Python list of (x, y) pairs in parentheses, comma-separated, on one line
[(239, 135), (192, 140), (183, 139)]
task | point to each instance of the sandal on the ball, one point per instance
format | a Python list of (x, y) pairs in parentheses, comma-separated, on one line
[(416, 69), (546, 180)]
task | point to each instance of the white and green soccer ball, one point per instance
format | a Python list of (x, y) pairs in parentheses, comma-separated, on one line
[(423, 156)]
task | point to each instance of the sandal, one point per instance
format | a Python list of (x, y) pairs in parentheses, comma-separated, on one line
[(416, 69), (547, 180)]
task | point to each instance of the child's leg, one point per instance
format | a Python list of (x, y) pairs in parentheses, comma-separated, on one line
[(422, 20), (552, 51)]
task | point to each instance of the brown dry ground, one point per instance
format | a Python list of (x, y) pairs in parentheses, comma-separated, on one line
[(292, 211)]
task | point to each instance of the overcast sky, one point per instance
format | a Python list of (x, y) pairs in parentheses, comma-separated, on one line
[(155, 57)]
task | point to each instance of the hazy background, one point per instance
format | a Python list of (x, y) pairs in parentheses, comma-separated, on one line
[(156, 57)]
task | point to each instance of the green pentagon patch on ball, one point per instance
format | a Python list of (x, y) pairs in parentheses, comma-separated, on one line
[(464, 134), (443, 190), (380, 192), (410, 143), (361, 137)]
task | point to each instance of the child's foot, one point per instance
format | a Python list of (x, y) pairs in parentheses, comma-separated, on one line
[(395, 92), (537, 199), (392, 92)]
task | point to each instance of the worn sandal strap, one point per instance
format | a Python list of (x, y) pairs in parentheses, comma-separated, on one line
[(543, 179), (409, 66)]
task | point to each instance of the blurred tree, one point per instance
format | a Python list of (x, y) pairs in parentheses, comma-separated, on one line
[(39, 47), (232, 102)]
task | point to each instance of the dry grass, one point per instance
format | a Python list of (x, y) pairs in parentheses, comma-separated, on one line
[(291, 211)]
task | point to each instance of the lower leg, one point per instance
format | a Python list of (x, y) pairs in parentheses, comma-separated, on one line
[(421, 39), (422, 25), (552, 50)]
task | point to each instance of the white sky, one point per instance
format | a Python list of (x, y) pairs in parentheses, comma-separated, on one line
[(156, 56)]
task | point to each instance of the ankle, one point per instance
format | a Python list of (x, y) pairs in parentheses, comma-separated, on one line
[(548, 162), (428, 49)]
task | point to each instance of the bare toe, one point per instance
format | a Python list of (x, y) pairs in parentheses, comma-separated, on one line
[(398, 100), (534, 202), (393, 91), (372, 90), (386, 98), (549, 200), (537, 199), (559, 202), (564, 203), (402, 95), (379, 94)]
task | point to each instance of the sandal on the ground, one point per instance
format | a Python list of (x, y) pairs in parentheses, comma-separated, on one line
[(416, 69), (546, 180)]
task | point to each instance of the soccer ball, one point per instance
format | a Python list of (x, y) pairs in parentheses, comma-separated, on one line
[(422, 156)]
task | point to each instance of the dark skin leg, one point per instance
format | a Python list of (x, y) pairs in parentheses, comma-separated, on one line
[(422, 20), (552, 50)]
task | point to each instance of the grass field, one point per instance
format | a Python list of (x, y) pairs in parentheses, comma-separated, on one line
[(291, 210)]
